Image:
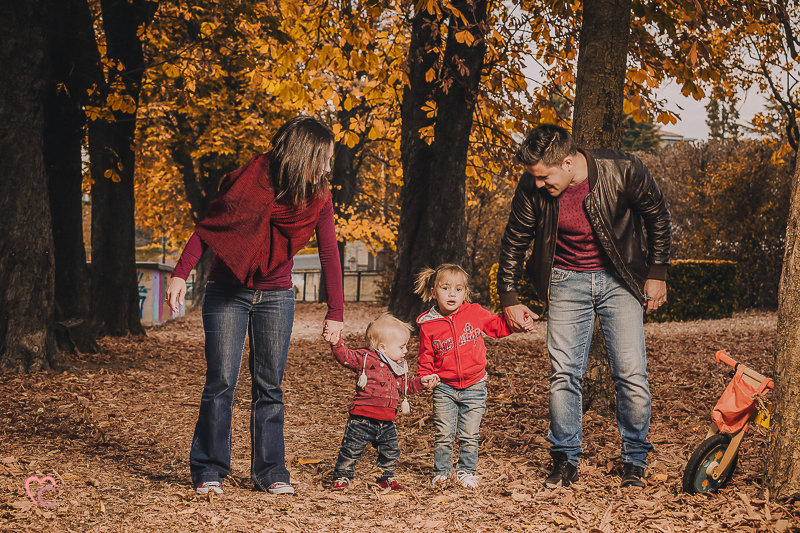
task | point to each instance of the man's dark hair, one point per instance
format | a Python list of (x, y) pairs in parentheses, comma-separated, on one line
[(299, 152), (547, 143)]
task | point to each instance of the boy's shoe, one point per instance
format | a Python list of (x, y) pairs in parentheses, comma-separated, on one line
[(467, 480), (279, 487), (204, 488), (439, 481), (564, 473), (632, 476), (391, 483), (341, 484)]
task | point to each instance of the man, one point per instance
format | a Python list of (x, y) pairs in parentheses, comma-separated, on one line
[(586, 212)]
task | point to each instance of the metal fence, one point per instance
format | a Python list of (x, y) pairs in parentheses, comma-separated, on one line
[(358, 286)]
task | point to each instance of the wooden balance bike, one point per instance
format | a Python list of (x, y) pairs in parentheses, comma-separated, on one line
[(712, 464)]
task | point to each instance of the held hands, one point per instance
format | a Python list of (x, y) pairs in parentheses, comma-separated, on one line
[(332, 331), (176, 291), (520, 318), (655, 294), (430, 381)]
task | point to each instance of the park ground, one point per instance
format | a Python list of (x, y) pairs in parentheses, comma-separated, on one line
[(114, 434)]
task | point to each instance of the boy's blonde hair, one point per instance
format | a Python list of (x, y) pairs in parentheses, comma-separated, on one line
[(429, 279), (379, 329)]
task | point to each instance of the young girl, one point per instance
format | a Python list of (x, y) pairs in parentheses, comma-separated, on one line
[(451, 346)]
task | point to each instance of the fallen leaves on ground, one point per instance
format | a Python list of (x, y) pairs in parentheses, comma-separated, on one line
[(114, 433)]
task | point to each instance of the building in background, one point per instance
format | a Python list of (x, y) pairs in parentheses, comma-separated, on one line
[(361, 272)]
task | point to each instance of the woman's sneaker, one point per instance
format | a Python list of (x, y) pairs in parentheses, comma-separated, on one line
[(439, 481), (467, 480), (280, 488), (204, 488), (341, 484)]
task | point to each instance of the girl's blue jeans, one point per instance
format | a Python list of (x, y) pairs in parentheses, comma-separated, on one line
[(575, 297), (230, 314), (457, 412)]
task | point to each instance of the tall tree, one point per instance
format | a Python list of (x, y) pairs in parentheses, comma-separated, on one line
[(115, 292), (432, 201), (27, 343), (597, 123), (73, 56)]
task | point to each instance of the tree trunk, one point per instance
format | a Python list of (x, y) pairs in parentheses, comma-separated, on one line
[(115, 292), (70, 34), (600, 80), (27, 343), (432, 229), (597, 123), (783, 452)]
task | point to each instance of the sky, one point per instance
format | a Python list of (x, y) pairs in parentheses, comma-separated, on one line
[(693, 115)]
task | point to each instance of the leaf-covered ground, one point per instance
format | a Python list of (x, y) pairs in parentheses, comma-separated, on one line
[(114, 434)]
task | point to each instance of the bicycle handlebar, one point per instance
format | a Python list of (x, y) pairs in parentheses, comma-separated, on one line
[(723, 357)]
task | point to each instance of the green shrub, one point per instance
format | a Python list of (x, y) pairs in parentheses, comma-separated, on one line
[(696, 290), (527, 294)]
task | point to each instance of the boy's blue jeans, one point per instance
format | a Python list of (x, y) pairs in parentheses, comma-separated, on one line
[(360, 431), (575, 297), (457, 412), (230, 314)]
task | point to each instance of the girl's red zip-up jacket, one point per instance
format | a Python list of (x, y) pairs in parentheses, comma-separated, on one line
[(453, 347)]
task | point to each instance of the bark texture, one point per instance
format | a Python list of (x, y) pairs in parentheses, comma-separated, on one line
[(71, 40), (597, 123), (115, 293), (432, 228), (27, 343), (600, 80), (783, 453)]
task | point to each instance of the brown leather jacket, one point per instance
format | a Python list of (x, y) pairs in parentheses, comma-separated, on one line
[(623, 202)]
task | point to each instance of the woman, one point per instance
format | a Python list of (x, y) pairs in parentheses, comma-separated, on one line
[(264, 214)]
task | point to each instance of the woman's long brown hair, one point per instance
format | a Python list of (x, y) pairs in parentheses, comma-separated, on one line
[(299, 152)]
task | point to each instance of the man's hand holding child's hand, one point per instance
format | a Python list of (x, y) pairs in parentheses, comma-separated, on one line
[(429, 381)]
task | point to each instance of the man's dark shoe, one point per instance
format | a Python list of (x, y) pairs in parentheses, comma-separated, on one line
[(564, 473), (632, 476)]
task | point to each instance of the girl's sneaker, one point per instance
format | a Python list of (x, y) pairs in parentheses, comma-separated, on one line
[(467, 480), (341, 483), (204, 488), (439, 481), (280, 487)]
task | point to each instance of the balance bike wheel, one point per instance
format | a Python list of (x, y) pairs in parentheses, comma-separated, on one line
[(696, 477)]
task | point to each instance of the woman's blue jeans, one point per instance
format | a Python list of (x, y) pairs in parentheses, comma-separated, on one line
[(230, 314), (575, 297), (457, 412)]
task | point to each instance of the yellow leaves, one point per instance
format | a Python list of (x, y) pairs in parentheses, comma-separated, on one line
[(112, 174), (691, 58), (465, 37), (95, 113), (430, 109), (351, 139), (430, 75), (666, 118), (121, 102), (172, 71)]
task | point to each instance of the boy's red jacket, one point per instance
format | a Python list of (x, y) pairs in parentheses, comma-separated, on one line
[(379, 398), (453, 347)]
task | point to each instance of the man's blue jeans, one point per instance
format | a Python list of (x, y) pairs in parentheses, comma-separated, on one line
[(575, 297), (457, 412), (230, 314), (360, 431)]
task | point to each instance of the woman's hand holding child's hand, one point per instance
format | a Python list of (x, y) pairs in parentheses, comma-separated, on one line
[(430, 381), (331, 331)]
